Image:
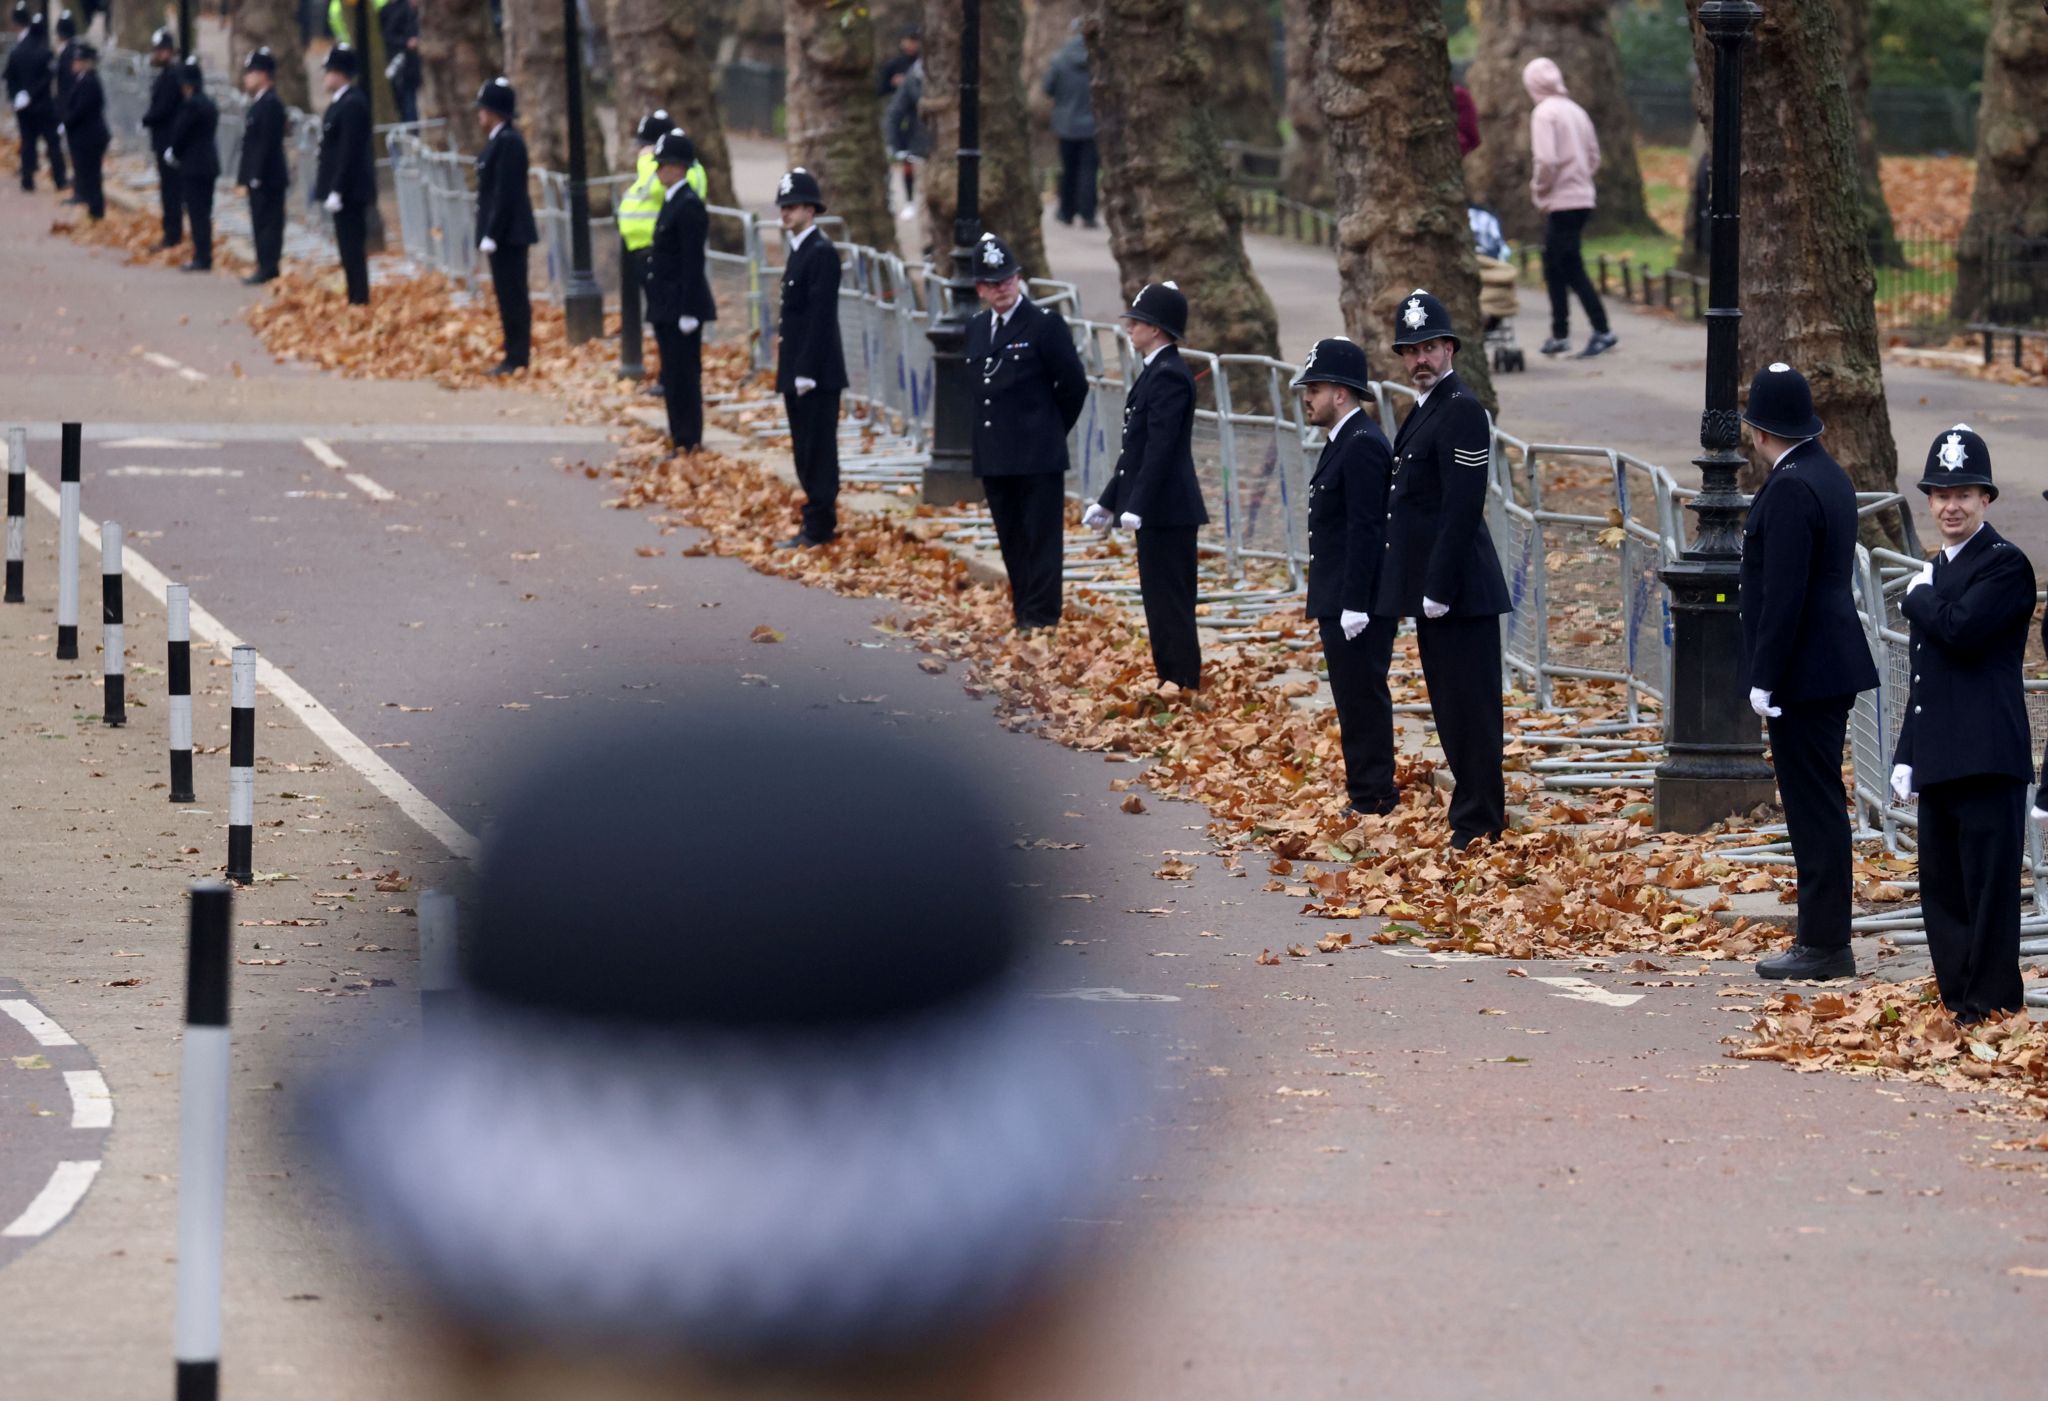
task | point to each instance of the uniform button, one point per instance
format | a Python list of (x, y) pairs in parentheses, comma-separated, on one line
[(1916, 710), (986, 424), (1916, 676)]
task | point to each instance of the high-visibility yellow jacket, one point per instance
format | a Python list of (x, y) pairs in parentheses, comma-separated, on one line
[(341, 18), (641, 205)]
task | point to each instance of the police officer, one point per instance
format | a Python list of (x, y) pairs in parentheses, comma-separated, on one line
[(1154, 492), (1439, 567), (640, 207), (345, 183), (810, 364), (263, 172), (679, 290), (164, 96), (196, 159), (1347, 526), (85, 128), (1805, 656), (1032, 391), (1964, 745), (28, 90), (66, 70), (504, 219)]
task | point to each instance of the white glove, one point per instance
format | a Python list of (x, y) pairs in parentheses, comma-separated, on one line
[(1923, 579), (1097, 517), (688, 325), (487, 245), (333, 204), (21, 101), (2039, 816), (171, 159), (1760, 702), (804, 385), (1902, 782), (1129, 521), (1432, 609), (255, 184), (60, 128), (1352, 623)]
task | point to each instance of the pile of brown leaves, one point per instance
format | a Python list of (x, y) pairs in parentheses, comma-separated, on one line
[(1929, 196), (137, 234)]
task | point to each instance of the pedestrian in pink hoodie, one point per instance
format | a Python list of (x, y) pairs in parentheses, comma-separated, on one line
[(1565, 153)]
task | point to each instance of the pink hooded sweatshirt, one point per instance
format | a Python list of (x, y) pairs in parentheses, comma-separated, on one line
[(1562, 143)]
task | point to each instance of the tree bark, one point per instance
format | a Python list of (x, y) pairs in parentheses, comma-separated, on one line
[(1807, 283), (1305, 157), (834, 117), (1047, 23), (1579, 36), (1172, 213), (1010, 205), (1236, 40), (2008, 221), (535, 61), (758, 31), (1853, 19), (458, 55), (661, 58), (135, 20), (275, 23), (1385, 90)]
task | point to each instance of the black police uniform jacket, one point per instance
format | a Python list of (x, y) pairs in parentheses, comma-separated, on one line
[(165, 97), (807, 332), (1347, 518), (84, 113), (67, 78), (504, 208), (1032, 391), (262, 164), (1966, 714), (1801, 639), (678, 284), (28, 70), (1436, 544), (1155, 472), (347, 166), (192, 137)]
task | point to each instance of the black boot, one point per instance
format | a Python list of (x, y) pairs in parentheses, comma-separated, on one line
[(1806, 961)]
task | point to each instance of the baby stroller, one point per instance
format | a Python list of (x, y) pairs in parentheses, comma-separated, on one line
[(1497, 301)]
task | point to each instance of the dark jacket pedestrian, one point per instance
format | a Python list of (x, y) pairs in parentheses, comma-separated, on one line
[(345, 180), (263, 172), (1073, 123), (505, 227), (84, 116), (679, 300), (399, 22), (196, 156), (810, 363), (30, 75)]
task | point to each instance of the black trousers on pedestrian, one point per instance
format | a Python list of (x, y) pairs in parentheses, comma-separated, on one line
[(1365, 709), (1806, 751), (406, 98), (814, 442), (1564, 272), (266, 228), (87, 158), (1461, 667), (1030, 512), (515, 304), (352, 242), (43, 129), (198, 200), (170, 193), (1078, 162), (682, 383), (1971, 831), (1166, 578)]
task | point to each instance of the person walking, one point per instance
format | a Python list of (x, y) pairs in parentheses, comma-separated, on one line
[(1963, 746), (810, 362), (1154, 492), (164, 96), (1347, 526), (1033, 389), (1073, 123), (1438, 565), (29, 78), (505, 227), (195, 155), (1805, 656), (907, 135), (84, 116), (1564, 152), (399, 22), (262, 171), (679, 290), (345, 183)]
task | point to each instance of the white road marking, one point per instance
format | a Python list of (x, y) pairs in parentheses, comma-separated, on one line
[(327, 455), (160, 443), (1110, 995), (1579, 990), (1440, 956), (366, 485), (165, 362), (209, 630), (60, 1194), (45, 1031), (370, 488), (138, 470), (92, 1103)]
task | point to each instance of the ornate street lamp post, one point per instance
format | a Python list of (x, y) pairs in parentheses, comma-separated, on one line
[(582, 299), (1715, 766), (949, 477)]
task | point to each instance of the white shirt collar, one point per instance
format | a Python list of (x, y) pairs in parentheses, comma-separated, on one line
[(681, 180), (338, 92), (1156, 354), (1338, 426), (1953, 550), (796, 241), (496, 129), (1789, 451)]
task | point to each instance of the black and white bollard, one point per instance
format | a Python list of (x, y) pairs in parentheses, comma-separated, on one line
[(113, 635), (67, 547), (203, 1145), (242, 766), (438, 977), (178, 627), (17, 510)]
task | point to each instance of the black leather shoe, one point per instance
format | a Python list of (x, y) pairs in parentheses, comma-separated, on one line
[(257, 279), (197, 267), (1379, 809), (1807, 962), (502, 369), (168, 244), (798, 541), (1461, 841)]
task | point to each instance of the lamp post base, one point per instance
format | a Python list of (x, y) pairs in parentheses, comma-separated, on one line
[(583, 309), (1694, 802), (950, 486), (1715, 766)]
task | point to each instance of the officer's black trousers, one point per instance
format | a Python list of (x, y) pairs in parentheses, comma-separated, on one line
[(1971, 830), (44, 129), (1030, 511), (1806, 751), (1365, 709), (682, 387), (87, 155), (352, 242), (1461, 666), (170, 193), (515, 304), (814, 442), (266, 225), (198, 199), (1564, 270), (1166, 578)]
